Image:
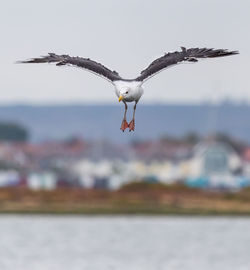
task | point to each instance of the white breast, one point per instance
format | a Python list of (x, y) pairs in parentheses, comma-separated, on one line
[(135, 89)]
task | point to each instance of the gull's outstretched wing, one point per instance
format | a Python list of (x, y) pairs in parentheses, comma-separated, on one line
[(190, 55), (85, 63)]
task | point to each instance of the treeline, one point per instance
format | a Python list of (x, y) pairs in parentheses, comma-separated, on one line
[(193, 138), (13, 132)]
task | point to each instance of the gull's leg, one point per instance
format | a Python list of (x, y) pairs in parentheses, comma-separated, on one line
[(132, 123), (124, 121)]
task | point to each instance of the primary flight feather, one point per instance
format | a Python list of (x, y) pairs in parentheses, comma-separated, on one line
[(129, 90)]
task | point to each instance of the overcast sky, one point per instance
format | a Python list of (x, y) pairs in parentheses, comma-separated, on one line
[(125, 36)]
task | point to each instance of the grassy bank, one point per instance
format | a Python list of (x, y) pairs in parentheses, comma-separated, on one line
[(137, 198)]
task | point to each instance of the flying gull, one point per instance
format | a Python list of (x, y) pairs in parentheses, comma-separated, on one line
[(130, 90)]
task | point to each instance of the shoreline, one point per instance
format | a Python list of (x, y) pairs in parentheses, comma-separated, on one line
[(134, 199)]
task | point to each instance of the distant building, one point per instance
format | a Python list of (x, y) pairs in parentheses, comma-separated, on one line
[(215, 165), (76, 163), (9, 178), (42, 180)]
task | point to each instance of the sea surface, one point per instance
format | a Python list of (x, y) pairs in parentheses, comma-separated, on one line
[(124, 243)]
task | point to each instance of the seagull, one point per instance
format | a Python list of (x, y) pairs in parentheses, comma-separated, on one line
[(130, 90)]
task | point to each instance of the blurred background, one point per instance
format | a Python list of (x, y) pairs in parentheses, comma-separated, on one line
[(62, 152)]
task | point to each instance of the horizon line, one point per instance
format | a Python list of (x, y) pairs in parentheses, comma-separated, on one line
[(154, 103)]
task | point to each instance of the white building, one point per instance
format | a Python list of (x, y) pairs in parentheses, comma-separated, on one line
[(9, 178), (43, 180), (214, 164)]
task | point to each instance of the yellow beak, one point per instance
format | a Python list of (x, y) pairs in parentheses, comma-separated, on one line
[(120, 98)]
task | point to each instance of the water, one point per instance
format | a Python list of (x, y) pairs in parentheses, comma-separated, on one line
[(124, 243)]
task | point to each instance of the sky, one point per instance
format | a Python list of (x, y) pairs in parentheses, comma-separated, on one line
[(125, 36)]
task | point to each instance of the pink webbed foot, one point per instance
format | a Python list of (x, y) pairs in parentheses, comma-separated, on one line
[(124, 125), (131, 125)]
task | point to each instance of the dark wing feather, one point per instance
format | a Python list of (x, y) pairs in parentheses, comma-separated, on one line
[(189, 55), (85, 63)]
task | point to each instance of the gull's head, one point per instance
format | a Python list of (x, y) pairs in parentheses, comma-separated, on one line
[(124, 93)]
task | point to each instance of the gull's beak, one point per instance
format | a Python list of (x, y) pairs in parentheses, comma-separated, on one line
[(120, 98)]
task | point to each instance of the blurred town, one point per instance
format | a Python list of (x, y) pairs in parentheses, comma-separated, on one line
[(216, 162)]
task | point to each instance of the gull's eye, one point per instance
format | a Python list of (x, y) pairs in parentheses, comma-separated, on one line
[(126, 92)]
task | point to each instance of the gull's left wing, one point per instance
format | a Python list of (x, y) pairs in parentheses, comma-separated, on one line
[(85, 63), (189, 55)]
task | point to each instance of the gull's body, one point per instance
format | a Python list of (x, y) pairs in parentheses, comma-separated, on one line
[(131, 90), (133, 87)]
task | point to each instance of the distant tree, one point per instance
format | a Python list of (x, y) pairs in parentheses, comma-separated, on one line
[(73, 140), (13, 132), (171, 139), (238, 145), (191, 138)]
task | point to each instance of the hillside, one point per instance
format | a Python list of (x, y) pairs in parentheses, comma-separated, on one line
[(152, 121)]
